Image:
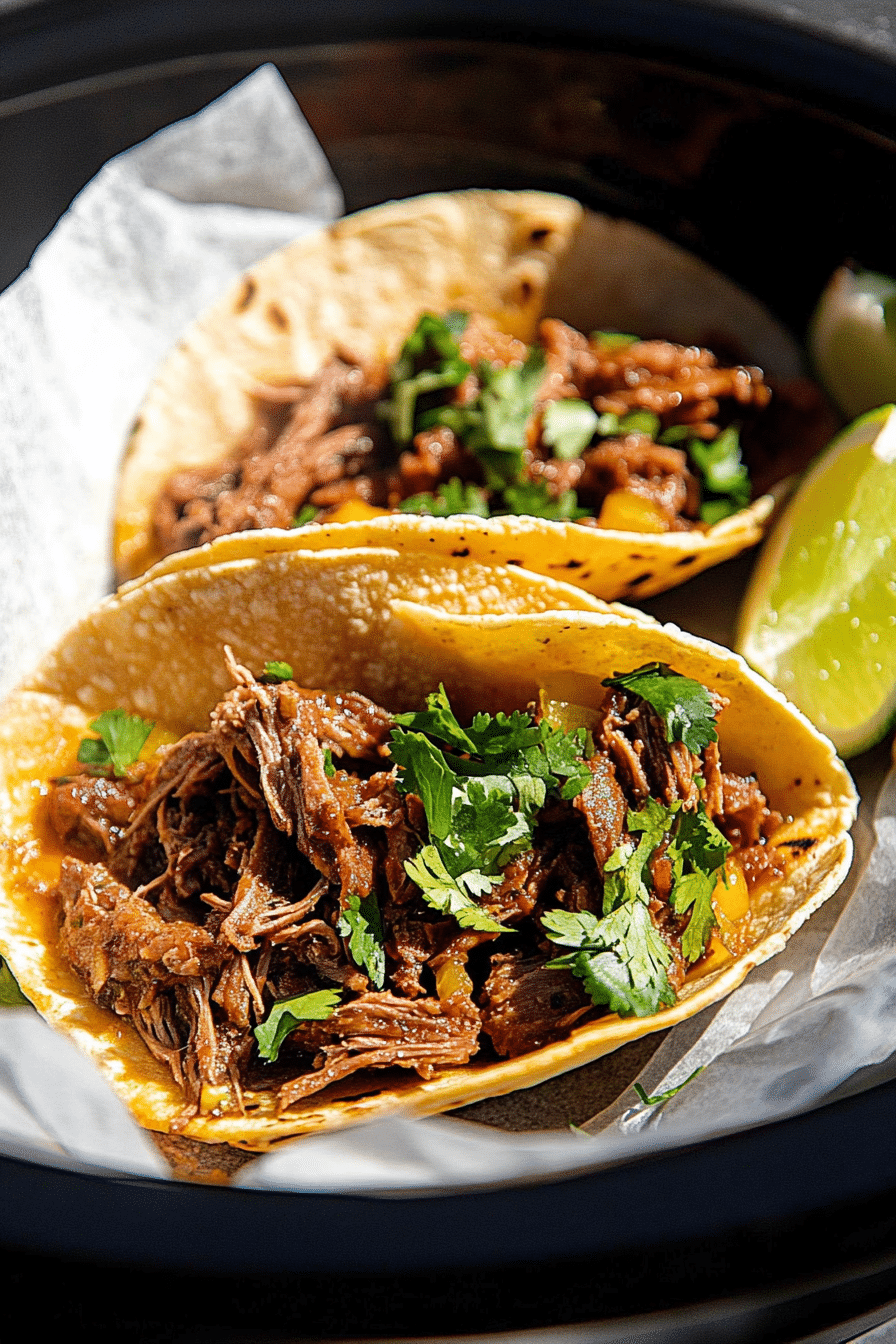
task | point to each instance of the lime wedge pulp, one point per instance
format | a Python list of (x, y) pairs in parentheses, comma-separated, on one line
[(819, 617)]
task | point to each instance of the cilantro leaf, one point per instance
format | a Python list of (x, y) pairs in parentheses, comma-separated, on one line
[(423, 770), (444, 892), (276, 671), (699, 845), (121, 739), (362, 924), (306, 514), (286, 1015), (455, 497), (723, 474), (685, 706), (660, 1097), (533, 499), (614, 339), (482, 788), (508, 399), (430, 361), (621, 959), (568, 426), (329, 767)]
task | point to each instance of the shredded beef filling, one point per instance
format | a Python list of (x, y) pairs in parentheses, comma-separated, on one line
[(315, 448), (208, 886)]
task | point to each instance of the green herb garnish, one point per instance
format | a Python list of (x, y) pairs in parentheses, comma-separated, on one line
[(430, 361), (659, 1097), (534, 499), (726, 483), (362, 924), (568, 427), (121, 739), (276, 671), (614, 338), (621, 958), (286, 1015), (455, 497), (306, 514), (685, 706), (724, 478), (482, 805)]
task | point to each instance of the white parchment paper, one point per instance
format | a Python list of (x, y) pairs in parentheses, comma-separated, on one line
[(153, 239)]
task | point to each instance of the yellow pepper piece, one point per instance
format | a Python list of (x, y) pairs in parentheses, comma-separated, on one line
[(624, 512), (733, 900), (355, 511)]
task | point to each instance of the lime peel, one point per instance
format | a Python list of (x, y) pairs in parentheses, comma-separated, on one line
[(819, 617)]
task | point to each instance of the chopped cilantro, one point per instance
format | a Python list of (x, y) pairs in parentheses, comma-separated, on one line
[(568, 427), (306, 514), (430, 361), (675, 434), (482, 788), (455, 497), (608, 425), (622, 958), (276, 671), (286, 1015), (685, 706), (329, 767), (362, 924), (534, 499), (612, 339), (723, 474), (507, 400), (699, 845), (640, 422), (660, 1097), (121, 739)]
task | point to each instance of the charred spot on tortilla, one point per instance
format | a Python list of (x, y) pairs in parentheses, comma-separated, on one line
[(277, 317), (685, 560), (246, 295), (803, 842), (461, 551)]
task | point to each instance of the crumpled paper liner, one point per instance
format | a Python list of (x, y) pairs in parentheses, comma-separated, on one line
[(154, 238)]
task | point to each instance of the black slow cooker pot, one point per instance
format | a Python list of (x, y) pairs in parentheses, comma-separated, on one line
[(761, 139)]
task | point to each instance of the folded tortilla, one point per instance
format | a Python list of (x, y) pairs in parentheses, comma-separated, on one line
[(359, 287), (392, 626)]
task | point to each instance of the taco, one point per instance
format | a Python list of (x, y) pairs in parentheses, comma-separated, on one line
[(390, 846), (431, 358)]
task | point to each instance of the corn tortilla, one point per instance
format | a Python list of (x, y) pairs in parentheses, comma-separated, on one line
[(359, 287), (392, 626)]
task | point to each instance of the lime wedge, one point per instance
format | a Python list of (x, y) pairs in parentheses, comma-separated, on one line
[(819, 617), (852, 342)]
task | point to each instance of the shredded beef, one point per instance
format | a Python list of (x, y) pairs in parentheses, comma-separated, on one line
[(379, 1031), (525, 1005), (228, 873), (314, 448)]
